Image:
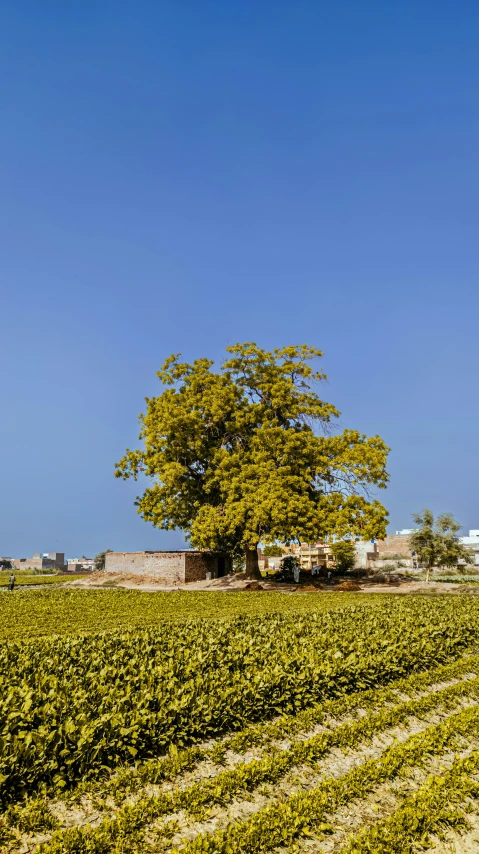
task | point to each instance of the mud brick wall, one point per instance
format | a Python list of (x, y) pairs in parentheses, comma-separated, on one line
[(163, 566)]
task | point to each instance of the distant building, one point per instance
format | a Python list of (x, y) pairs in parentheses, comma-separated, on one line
[(76, 564), (395, 544), (309, 555), (319, 554), (399, 545), (472, 543), (170, 567), (47, 560)]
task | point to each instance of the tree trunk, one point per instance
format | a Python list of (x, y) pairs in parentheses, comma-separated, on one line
[(428, 574), (252, 566)]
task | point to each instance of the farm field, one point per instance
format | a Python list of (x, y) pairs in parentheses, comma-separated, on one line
[(43, 612), (227, 723)]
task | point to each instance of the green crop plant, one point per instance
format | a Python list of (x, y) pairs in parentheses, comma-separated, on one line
[(71, 707), (131, 779), (433, 809), (304, 812), (279, 823)]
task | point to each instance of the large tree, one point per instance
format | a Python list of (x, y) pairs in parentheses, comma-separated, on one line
[(246, 454), (436, 542)]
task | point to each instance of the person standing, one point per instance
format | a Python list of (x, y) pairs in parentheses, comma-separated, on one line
[(11, 582)]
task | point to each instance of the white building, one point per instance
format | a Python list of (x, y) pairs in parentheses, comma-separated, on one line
[(76, 563), (472, 543)]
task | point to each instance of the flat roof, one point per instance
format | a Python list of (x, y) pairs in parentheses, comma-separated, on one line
[(167, 552)]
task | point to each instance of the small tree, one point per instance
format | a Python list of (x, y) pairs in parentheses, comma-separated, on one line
[(436, 542), (246, 453), (100, 559), (345, 554), (5, 564), (273, 551)]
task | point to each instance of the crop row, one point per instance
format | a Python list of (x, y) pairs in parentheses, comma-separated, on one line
[(278, 823), (130, 780), (434, 808), (36, 815), (247, 776), (302, 812), (72, 707)]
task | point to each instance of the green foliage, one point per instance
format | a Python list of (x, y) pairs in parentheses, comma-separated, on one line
[(436, 543), (273, 551), (67, 612), (99, 562), (273, 765), (433, 808), (246, 453), (388, 568), (154, 771), (5, 564), (345, 554), (105, 720)]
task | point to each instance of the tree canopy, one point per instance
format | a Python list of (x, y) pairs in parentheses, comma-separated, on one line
[(246, 454), (273, 551), (436, 543)]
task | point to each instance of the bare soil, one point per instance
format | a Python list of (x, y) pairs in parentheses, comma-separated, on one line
[(239, 582)]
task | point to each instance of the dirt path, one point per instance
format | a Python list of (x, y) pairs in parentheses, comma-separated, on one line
[(238, 582)]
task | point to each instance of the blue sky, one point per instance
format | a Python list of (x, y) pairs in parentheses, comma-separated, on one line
[(179, 176)]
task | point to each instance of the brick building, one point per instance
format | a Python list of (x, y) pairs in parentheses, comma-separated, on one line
[(170, 567), (395, 544)]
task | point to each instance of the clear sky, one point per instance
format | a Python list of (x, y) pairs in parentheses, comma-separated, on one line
[(179, 176)]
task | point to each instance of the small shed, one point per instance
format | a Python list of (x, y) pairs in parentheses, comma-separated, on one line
[(171, 567)]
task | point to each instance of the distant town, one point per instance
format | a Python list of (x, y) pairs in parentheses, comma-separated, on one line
[(50, 561), (191, 565)]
